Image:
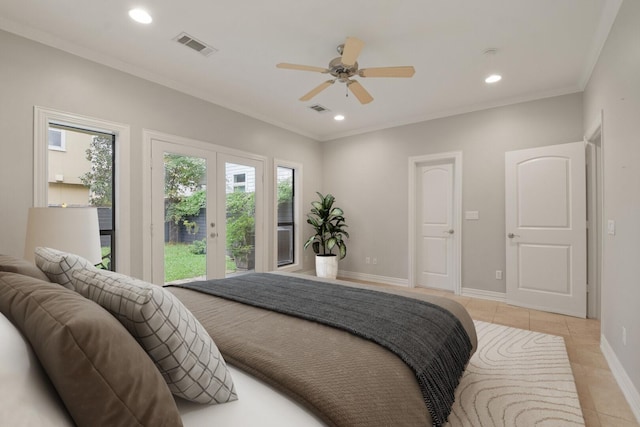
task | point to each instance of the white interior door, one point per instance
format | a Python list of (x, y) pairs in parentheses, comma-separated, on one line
[(545, 203), (435, 224)]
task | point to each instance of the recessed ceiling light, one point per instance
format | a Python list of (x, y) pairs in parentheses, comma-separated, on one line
[(338, 117), (140, 16), (493, 78)]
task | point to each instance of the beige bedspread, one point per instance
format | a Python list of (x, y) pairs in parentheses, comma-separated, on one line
[(343, 379)]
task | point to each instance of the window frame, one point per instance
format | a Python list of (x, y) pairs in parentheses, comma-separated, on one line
[(43, 117), (113, 242), (297, 212)]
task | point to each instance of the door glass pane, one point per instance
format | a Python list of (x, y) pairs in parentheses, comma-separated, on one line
[(81, 174), (185, 242), (240, 195), (285, 216)]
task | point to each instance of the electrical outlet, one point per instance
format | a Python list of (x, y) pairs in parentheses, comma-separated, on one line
[(375, 261), (624, 336), (367, 260), (498, 274)]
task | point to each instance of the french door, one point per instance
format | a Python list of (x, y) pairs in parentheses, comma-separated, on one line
[(206, 212)]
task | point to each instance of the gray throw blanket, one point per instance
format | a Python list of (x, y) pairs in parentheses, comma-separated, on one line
[(428, 338)]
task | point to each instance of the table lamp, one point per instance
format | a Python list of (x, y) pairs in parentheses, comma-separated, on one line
[(73, 230)]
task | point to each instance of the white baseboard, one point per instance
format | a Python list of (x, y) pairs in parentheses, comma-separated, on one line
[(373, 278), (479, 293), (467, 292), (628, 389)]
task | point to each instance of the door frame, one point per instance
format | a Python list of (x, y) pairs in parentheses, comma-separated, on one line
[(147, 136), (454, 158), (596, 230)]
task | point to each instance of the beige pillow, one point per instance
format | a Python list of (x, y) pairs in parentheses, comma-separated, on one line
[(58, 265), (101, 373), (12, 264), (182, 349)]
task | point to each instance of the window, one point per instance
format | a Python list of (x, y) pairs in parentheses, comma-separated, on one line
[(83, 175), (286, 215), (54, 174), (239, 183), (56, 139)]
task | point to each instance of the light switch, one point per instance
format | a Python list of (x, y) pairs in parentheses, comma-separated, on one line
[(611, 227), (471, 215)]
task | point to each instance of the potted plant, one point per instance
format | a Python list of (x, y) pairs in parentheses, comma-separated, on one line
[(329, 226)]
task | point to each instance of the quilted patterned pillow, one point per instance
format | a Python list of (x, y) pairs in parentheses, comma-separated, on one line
[(58, 265), (181, 348)]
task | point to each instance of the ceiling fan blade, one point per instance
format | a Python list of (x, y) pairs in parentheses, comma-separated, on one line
[(387, 72), (317, 90), (302, 67), (359, 91), (351, 50)]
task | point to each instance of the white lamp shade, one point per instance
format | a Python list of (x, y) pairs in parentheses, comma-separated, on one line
[(73, 230)]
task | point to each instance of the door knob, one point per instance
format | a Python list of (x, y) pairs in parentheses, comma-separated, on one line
[(511, 235), (213, 224), (448, 231)]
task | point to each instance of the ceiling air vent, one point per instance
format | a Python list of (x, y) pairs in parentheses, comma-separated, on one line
[(319, 108), (194, 44)]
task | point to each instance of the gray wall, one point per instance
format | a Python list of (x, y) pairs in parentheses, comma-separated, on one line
[(368, 174), (614, 88), (34, 74)]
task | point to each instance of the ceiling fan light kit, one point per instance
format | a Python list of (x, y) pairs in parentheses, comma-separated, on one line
[(345, 67)]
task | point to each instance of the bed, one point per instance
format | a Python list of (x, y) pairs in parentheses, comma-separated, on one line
[(286, 370)]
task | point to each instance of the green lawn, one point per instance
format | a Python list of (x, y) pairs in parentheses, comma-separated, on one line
[(180, 263)]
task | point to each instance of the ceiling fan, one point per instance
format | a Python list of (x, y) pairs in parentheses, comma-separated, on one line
[(344, 67)]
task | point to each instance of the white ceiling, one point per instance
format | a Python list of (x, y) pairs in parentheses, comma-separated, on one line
[(545, 48)]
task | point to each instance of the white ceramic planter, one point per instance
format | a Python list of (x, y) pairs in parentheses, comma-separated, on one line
[(327, 266)]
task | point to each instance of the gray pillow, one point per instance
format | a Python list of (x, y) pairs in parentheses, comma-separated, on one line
[(181, 348)]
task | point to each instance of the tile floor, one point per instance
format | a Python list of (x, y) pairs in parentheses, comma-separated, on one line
[(602, 401)]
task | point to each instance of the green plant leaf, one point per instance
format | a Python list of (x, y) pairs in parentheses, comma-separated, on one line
[(343, 249), (328, 201), (309, 241), (331, 242)]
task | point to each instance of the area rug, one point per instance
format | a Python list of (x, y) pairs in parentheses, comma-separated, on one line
[(516, 378)]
